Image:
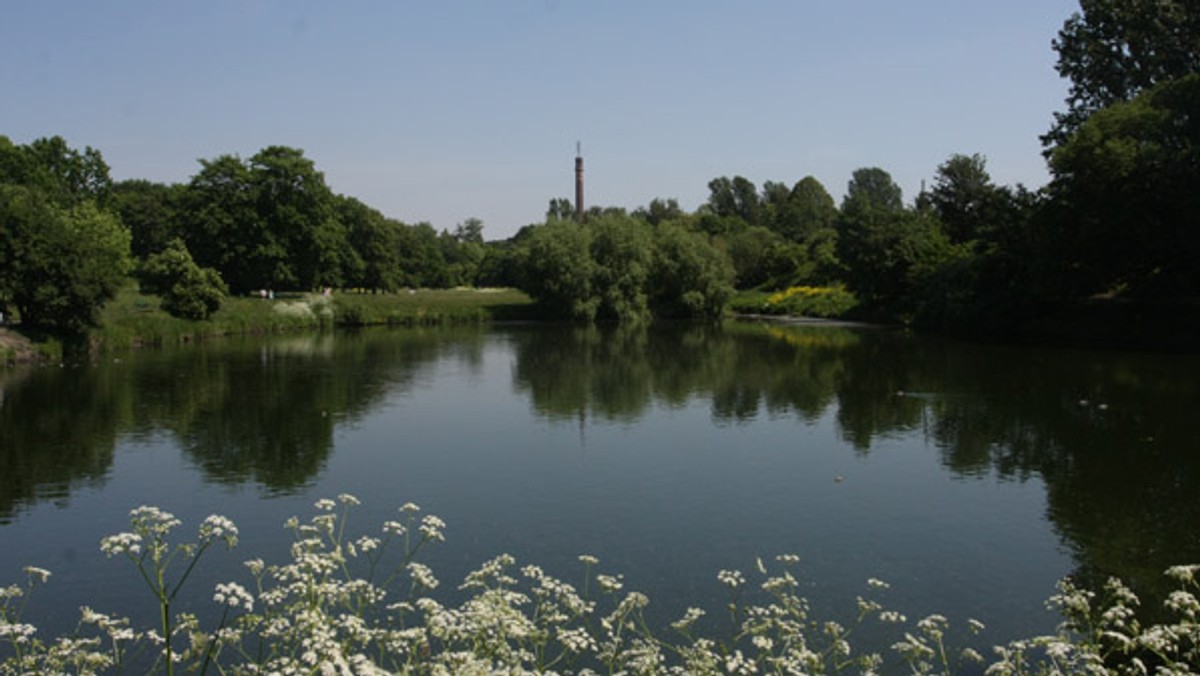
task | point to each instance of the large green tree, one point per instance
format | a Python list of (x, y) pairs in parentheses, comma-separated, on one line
[(62, 256), (1112, 50), (622, 255), (557, 269), (689, 278), (150, 211), (374, 261), (887, 250), (1126, 193), (296, 208), (969, 205), (735, 197), (62, 174), (269, 222), (58, 264)]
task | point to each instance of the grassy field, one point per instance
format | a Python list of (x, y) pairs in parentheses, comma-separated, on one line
[(133, 319)]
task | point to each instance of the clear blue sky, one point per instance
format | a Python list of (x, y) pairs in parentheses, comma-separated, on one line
[(443, 110)]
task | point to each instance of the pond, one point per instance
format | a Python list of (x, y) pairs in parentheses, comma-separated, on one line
[(970, 477)]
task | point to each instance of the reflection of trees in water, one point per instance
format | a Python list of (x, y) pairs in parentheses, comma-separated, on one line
[(1109, 434), (267, 412), (243, 410), (1113, 439), (617, 373), (58, 427)]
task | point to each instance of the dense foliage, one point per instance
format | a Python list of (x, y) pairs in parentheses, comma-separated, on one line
[(1118, 220), (188, 290), (61, 254)]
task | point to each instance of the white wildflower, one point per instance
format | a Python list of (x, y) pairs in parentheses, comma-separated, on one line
[(431, 528), (218, 527), (325, 505), (121, 543), (422, 575), (255, 566), (1185, 574), (975, 625), (347, 499), (234, 595), (40, 573), (933, 624), (892, 617), (877, 583), (152, 520), (609, 583), (588, 560), (576, 640), (688, 619), (738, 664), (410, 508), (1183, 602), (17, 632), (731, 578), (394, 528)]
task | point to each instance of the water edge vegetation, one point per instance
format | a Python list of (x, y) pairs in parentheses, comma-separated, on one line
[(352, 603)]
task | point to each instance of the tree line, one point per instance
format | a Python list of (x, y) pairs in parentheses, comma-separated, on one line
[(1118, 218)]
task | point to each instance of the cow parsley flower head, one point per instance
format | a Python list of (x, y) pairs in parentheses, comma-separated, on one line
[(731, 578), (422, 575), (234, 595), (431, 527), (121, 543), (40, 573), (217, 527), (1184, 574), (610, 583), (152, 520), (17, 632)]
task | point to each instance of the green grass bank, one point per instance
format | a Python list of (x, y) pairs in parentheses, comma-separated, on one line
[(133, 319)]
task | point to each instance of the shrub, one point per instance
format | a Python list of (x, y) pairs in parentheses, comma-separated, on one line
[(188, 291), (811, 301)]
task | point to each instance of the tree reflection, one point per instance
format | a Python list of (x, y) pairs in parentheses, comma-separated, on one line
[(1110, 435), (261, 410), (58, 428)]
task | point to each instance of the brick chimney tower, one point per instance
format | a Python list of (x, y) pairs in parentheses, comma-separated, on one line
[(578, 183)]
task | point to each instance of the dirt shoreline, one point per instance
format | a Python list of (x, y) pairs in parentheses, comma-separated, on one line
[(17, 349)]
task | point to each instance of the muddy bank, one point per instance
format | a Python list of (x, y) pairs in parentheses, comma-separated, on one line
[(17, 349)]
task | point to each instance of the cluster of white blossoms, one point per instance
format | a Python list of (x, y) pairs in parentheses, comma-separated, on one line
[(731, 578), (234, 595), (361, 604)]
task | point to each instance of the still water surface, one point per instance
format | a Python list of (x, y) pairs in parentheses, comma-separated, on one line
[(969, 477)]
